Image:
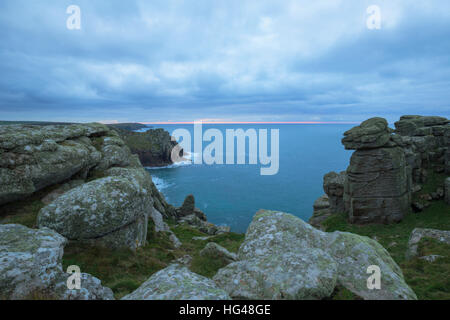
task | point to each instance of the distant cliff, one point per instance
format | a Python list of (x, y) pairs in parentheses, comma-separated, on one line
[(153, 147)]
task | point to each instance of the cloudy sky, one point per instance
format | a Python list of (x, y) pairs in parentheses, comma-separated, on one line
[(239, 60)]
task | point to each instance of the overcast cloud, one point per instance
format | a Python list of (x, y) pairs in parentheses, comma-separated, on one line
[(231, 60)]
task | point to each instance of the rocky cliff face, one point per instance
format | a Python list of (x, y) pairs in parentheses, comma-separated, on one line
[(386, 168), (110, 203), (153, 147)]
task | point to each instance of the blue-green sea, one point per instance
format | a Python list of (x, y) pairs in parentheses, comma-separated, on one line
[(231, 194)]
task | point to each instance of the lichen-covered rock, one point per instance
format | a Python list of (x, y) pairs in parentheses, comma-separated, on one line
[(217, 252), (91, 289), (354, 254), (283, 257), (30, 263), (111, 211), (414, 125), (30, 260), (279, 259), (321, 211), (176, 282), (154, 147), (333, 185), (419, 233), (188, 206), (161, 226), (372, 133), (34, 157), (194, 221), (378, 186)]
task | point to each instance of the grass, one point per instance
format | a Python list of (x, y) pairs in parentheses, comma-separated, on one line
[(125, 270), (25, 211), (428, 280)]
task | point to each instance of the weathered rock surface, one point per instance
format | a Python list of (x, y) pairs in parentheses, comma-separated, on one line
[(34, 157), (161, 226), (333, 185), (378, 186), (419, 233), (154, 147), (30, 263), (321, 211), (283, 257), (372, 133), (110, 211), (91, 289), (215, 251), (426, 142), (176, 282)]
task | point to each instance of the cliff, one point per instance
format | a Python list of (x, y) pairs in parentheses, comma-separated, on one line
[(153, 147), (388, 168)]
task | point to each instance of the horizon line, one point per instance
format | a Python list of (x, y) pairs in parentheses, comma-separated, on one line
[(251, 122)]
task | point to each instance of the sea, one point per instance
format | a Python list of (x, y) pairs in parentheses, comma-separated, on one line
[(230, 194)]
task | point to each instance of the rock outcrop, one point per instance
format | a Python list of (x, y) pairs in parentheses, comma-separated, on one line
[(419, 233), (154, 147), (370, 134), (386, 169), (30, 264), (283, 257), (35, 157), (176, 282), (378, 180), (378, 186), (104, 194), (426, 141), (332, 202)]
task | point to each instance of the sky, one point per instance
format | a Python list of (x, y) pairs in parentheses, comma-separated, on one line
[(223, 60)]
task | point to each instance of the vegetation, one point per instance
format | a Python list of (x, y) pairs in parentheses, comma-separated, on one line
[(428, 280), (125, 270)]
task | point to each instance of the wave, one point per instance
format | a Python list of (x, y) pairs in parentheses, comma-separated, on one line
[(189, 160), (160, 184)]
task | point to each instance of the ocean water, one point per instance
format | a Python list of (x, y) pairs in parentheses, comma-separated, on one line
[(231, 194)]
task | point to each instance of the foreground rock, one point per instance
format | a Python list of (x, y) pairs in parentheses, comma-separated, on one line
[(34, 157), (283, 257), (217, 252), (30, 263), (419, 233), (111, 211), (98, 192), (176, 282)]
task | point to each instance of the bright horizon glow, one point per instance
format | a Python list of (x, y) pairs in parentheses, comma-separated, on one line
[(250, 122)]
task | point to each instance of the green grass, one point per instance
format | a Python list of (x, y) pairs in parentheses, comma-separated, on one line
[(426, 279), (25, 211), (125, 270), (430, 281), (206, 266)]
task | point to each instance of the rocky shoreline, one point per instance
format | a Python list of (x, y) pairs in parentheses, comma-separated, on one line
[(93, 193)]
